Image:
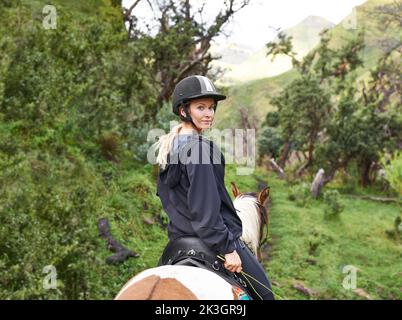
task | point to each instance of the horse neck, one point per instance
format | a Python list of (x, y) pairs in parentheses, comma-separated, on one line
[(247, 210)]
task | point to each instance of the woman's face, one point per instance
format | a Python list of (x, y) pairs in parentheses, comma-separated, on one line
[(202, 112)]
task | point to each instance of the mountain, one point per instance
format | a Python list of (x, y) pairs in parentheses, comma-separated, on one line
[(377, 39), (306, 34), (244, 64), (256, 95)]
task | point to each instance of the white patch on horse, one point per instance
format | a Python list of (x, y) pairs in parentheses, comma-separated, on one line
[(205, 284), (248, 212)]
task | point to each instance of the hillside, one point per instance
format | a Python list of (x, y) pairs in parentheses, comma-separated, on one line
[(243, 64), (70, 156), (255, 96), (258, 102)]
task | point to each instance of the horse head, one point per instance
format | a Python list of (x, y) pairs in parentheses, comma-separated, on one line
[(253, 210)]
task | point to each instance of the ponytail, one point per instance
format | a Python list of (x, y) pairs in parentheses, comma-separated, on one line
[(165, 145)]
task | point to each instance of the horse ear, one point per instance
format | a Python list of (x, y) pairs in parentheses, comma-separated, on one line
[(263, 195), (235, 190)]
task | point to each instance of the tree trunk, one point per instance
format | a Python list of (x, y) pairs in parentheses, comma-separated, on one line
[(309, 161), (277, 169), (364, 173), (284, 155), (317, 184)]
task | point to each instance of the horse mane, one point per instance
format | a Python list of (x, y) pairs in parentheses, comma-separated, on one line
[(247, 208)]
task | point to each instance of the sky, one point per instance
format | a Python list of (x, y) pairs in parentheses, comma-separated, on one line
[(253, 25)]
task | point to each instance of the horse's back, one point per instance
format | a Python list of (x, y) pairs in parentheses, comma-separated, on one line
[(176, 283)]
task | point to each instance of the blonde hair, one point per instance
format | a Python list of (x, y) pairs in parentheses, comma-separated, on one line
[(164, 144)]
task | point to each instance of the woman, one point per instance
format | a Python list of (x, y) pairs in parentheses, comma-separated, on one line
[(191, 182)]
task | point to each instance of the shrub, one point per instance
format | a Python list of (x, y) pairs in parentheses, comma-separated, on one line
[(333, 205), (270, 142), (300, 193), (396, 232), (48, 209), (393, 171)]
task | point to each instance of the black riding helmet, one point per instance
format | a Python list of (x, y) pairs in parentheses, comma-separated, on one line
[(194, 87)]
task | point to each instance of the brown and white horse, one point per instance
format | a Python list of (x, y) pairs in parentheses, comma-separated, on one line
[(179, 282)]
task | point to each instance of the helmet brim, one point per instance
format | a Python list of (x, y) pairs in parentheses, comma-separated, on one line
[(215, 96)]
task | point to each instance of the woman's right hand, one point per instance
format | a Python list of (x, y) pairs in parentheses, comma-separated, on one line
[(233, 262)]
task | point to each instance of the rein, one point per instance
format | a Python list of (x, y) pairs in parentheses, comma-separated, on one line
[(264, 221)]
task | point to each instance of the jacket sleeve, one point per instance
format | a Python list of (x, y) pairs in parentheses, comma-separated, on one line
[(204, 204)]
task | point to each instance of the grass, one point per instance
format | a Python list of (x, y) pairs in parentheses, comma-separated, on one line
[(306, 248), (303, 246)]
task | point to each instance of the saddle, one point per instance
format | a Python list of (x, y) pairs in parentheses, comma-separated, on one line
[(191, 251)]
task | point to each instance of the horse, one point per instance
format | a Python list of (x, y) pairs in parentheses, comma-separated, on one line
[(180, 282)]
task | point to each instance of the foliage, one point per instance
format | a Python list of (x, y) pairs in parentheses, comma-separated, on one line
[(181, 46), (76, 104), (142, 138), (47, 214), (69, 98), (269, 142), (81, 79), (393, 171), (333, 205), (283, 45), (304, 109), (330, 116), (396, 232), (300, 194), (272, 119), (356, 132)]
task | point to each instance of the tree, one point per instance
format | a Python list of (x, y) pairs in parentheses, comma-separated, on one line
[(77, 79), (360, 124), (355, 132), (304, 109), (181, 45), (305, 106), (270, 142), (324, 63)]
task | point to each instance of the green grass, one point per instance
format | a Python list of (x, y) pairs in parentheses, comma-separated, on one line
[(298, 235), (357, 238)]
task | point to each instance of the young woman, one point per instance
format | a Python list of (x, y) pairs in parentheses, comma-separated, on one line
[(191, 186)]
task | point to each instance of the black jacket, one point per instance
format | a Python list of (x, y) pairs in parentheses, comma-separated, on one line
[(194, 196)]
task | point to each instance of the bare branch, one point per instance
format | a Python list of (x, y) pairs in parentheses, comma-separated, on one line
[(127, 12)]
